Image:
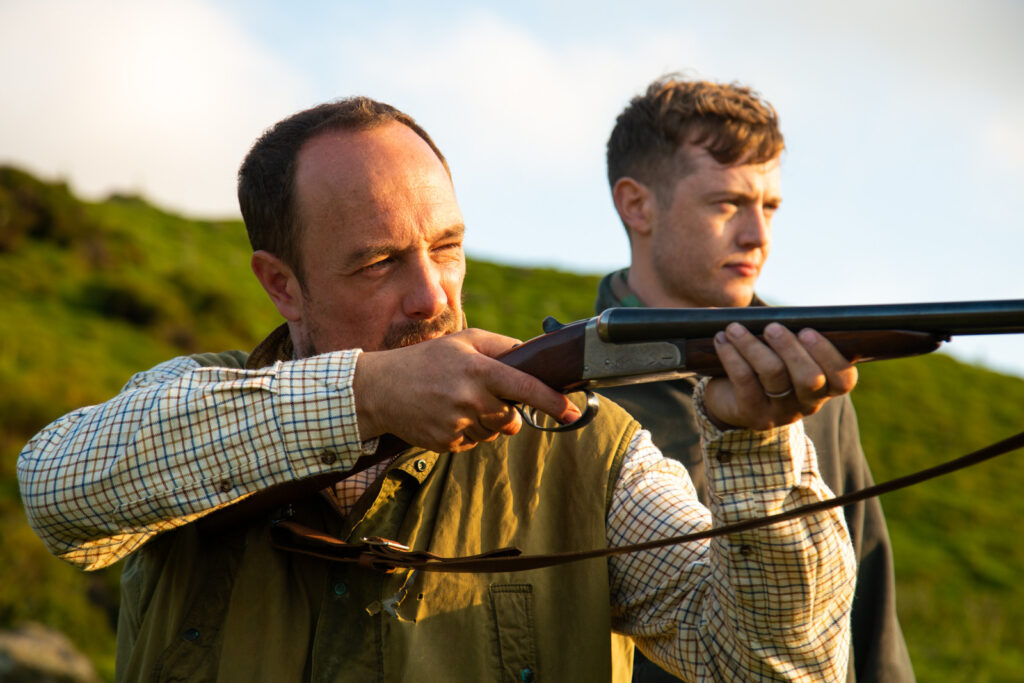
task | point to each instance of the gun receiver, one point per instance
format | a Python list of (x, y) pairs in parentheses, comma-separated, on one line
[(632, 345)]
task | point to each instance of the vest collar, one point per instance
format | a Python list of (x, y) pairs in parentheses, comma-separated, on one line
[(277, 346)]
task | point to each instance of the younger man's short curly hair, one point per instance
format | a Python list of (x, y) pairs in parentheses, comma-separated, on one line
[(732, 122)]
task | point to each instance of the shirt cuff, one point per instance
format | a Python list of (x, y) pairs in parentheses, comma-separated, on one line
[(747, 460), (316, 412)]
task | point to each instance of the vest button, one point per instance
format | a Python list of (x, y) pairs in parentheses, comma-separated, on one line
[(224, 486), (327, 458), (746, 550), (191, 635), (724, 457), (340, 588), (421, 465)]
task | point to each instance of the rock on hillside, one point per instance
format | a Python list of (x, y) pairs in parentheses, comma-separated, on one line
[(36, 654)]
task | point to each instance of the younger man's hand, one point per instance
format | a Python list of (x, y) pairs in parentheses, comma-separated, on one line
[(777, 383)]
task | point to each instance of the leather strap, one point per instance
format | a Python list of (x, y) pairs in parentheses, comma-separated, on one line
[(385, 555)]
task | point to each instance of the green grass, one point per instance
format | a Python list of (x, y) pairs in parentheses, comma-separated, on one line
[(955, 538), (95, 292)]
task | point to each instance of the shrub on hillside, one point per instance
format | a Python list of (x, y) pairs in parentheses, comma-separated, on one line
[(33, 209)]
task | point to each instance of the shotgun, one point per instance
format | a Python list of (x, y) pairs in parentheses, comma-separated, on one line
[(632, 345)]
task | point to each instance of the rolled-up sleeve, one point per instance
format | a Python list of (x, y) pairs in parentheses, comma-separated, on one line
[(181, 441), (768, 604)]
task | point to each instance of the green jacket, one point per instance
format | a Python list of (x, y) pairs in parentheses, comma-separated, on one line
[(227, 606), (666, 410)]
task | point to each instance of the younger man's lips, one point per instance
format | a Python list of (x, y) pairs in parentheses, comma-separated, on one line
[(744, 269)]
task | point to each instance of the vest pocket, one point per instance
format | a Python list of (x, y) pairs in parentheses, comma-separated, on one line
[(512, 605)]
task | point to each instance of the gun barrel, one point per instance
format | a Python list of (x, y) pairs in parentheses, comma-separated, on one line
[(620, 325)]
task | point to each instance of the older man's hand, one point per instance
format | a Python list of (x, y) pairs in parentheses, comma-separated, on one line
[(775, 383), (449, 394)]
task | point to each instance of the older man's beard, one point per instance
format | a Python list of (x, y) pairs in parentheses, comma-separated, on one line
[(415, 331)]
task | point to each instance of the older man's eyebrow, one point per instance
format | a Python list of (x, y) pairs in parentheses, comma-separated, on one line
[(456, 231), (370, 253), (374, 252)]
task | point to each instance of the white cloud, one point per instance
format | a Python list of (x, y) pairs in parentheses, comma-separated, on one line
[(160, 98), (498, 86)]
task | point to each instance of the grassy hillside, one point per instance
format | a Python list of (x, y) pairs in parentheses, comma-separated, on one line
[(95, 292)]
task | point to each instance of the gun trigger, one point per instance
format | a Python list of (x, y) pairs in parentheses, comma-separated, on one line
[(590, 412), (551, 325)]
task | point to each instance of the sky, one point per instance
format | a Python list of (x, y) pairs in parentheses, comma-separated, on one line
[(903, 178)]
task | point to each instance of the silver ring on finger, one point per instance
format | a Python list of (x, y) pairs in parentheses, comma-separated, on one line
[(780, 394)]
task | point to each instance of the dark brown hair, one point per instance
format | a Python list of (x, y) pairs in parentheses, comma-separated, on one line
[(732, 122), (266, 177)]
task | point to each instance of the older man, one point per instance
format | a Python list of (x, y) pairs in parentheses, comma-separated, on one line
[(694, 173), (357, 240)]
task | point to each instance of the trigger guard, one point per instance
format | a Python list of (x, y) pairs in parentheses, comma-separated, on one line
[(593, 405)]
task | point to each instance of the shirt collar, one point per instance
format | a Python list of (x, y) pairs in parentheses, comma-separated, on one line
[(614, 292)]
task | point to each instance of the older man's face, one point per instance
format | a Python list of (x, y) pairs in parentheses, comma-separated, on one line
[(711, 240), (381, 243)]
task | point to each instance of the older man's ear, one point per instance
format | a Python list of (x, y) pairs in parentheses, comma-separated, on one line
[(280, 283)]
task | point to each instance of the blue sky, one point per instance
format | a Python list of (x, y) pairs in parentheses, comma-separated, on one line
[(903, 179)]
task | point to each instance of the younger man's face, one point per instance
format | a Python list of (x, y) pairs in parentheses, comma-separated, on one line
[(712, 234)]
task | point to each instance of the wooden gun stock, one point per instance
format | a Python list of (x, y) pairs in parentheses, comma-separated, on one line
[(555, 358)]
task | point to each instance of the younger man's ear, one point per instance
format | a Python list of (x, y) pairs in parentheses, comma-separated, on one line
[(635, 203), (280, 283)]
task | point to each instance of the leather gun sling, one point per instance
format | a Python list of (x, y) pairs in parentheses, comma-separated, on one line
[(385, 555)]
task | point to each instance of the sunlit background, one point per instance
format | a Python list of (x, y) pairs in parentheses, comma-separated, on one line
[(903, 179)]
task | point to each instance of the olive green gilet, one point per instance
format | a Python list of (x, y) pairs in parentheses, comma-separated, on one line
[(228, 606)]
